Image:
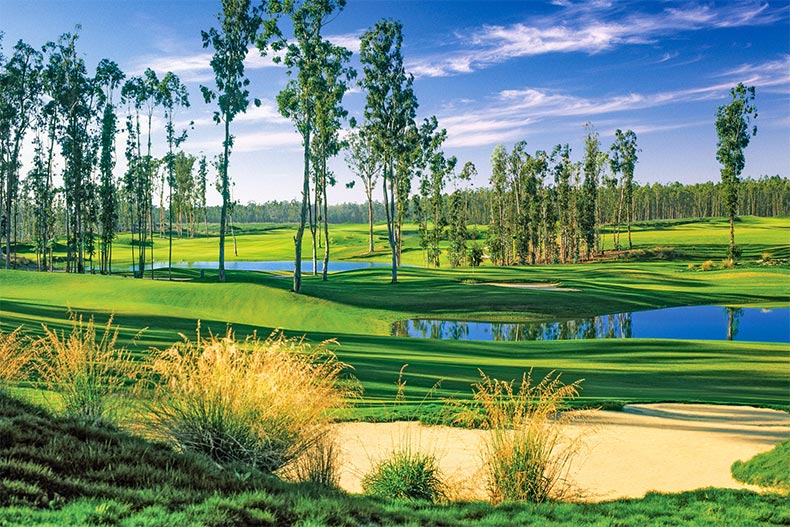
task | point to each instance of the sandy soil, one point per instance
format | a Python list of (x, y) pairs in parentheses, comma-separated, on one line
[(535, 286), (662, 447)]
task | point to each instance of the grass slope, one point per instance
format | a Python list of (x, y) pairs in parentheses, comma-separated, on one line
[(769, 469), (59, 472)]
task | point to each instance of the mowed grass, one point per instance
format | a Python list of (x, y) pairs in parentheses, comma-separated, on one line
[(695, 240), (358, 308)]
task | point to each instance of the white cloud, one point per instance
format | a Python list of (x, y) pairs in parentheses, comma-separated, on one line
[(584, 28), (350, 41)]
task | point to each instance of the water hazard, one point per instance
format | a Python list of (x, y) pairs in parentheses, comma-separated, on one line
[(284, 265), (687, 323)]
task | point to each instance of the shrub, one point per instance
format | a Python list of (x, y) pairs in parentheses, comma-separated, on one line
[(707, 265), (406, 475), (766, 257), (475, 255), (15, 355), (690, 267), (87, 373), (525, 458), (262, 403), (728, 263), (319, 465)]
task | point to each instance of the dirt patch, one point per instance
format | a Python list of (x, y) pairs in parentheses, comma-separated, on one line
[(662, 447), (534, 286)]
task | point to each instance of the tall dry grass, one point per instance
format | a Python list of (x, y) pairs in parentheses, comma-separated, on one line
[(86, 369), (526, 454), (263, 403), (15, 355)]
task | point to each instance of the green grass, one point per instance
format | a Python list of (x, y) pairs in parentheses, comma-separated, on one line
[(58, 471), (769, 469)]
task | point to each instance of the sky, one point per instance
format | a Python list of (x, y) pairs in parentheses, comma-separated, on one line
[(492, 72)]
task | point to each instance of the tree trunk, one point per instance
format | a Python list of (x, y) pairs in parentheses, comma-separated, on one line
[(370, 219), (325, 267), (225, 199), (303, 215)]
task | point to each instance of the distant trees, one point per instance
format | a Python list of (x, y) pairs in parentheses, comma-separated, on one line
[(623, 160), (362, 161), (734, 128)]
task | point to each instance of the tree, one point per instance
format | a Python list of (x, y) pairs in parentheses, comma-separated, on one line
[(390, 108), (498, 233), (457, 252), (311, 99), (734, 128), (361, 159), (239, 24), (20, 98), (108, 79), (588, 206), (172, 93), (623, 160)]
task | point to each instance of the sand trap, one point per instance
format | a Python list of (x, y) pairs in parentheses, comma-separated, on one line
[(534, 286), (662, 447)]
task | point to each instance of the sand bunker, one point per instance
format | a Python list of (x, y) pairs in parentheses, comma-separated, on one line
[(534, 286), (661, 447)]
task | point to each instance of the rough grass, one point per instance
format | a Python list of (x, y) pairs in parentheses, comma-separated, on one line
[(88, 371), (15, 356), (406, 474), (770, 469), (526, 455), (261, 403)]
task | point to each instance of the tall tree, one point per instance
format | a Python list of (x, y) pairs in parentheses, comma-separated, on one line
[(108, 78), (734, 128), (390, 108), (588, 206), (172, 94), (239, 24), (498, 232), (361, 159), (20, 99), (459, 211), (308, 58), (623, 160)]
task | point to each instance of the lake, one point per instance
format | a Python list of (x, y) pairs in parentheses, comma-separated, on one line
[(687, 323), (283, 265)]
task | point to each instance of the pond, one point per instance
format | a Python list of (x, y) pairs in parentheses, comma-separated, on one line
[(283, 265), (687, 323)]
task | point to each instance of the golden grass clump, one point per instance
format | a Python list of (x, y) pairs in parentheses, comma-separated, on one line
[(526, 455), (261, 403), (707, 265), (88, 372), (15, 355)]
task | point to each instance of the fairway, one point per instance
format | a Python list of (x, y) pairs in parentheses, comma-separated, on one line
[(357, 310)]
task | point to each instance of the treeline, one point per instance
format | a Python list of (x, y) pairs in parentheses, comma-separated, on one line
[(766, 196)]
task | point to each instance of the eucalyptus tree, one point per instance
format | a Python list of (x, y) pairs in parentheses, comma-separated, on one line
[(108, 78), (135, 184), (201, 183), (43, 197), (588, 206), (317, 69), (563, 171), (238, 25), (363, 162), (172, 94), (499, 233), (438, 168), (390, 108), (184, 192), (459, 210), (623, 160), (734, 129), (74, 92), (20, 101)]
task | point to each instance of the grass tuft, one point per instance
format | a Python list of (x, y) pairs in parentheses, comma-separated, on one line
[(406, 474), (88, 371), (770, 469), (261, 403), (526, 456), (15, 355)]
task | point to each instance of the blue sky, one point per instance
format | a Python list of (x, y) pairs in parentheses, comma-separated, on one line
[(492, 72)]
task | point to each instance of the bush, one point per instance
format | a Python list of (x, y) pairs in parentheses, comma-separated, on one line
[(525, 458), (87, 373), (15, 355), (707, 265), (406, 475), (475, 255), (263, 403), (319, 465), (728, 263)]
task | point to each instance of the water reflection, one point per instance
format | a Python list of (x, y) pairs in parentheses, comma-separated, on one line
[(692, 323)]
